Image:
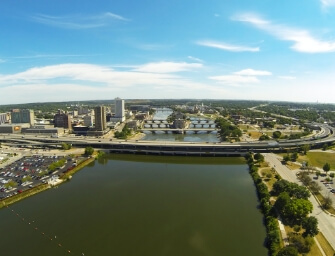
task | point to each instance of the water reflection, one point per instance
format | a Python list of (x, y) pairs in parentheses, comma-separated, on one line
[(189, 136)]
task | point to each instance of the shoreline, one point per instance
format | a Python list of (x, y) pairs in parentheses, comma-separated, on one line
[(42, 187)]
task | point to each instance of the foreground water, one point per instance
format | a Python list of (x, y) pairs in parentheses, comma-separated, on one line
[(141, 205)]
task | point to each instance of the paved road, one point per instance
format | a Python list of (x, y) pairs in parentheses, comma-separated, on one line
[(326, 222)]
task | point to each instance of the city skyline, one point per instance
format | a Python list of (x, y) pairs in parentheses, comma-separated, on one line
[(74, 51)]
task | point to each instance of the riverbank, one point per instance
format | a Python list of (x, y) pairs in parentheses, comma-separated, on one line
[(23, 195), (43, 187), (68, 174)]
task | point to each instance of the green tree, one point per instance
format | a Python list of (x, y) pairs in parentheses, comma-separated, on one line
[(315, 187), (288, 251), (276, 134), (318, 173), (326, 167), (259, 157), (294, 156), (286, 158), (327, 203), (297, 209), (66, 146), (332, 175), (310, 224), (304, 178), (303, 244), (305, 148), (89, 151)]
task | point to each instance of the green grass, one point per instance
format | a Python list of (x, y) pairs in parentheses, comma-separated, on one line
[(321, 199), (318, 159), (327, 248), (78, 167), (23, 195)]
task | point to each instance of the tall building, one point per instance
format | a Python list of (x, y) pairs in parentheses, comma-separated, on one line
[(62, 120), (3, 118), (119, 109), (20, 116), (100, 118), (88, 120)]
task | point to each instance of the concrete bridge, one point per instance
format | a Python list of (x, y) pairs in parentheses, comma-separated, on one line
[(202, 121), (155, 121), (178, 131), (155, 126), (177, 148), (202, 125)]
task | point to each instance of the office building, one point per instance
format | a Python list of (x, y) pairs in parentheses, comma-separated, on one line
[(119, 109), (3, 118), (62, 120), (100, 118), (88, 120), (21, 116)]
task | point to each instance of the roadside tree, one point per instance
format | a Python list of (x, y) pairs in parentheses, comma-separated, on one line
[(89, 151), (304, 178), (310, 224), (259, 157), (276, 134), (326, 167), (315, 187), (305, 148), (288, 251), (327, 203), (294, 156), (318, 173), (286, 158)]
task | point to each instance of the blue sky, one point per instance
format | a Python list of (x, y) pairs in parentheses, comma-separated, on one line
[(61, 50)]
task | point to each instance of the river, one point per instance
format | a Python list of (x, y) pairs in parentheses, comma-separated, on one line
[(134, 205), (162, 114)]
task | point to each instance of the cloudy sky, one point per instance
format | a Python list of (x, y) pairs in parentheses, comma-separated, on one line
[(61, 50)]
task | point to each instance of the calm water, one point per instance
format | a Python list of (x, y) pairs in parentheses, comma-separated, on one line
[(188, 137), (141, 205)]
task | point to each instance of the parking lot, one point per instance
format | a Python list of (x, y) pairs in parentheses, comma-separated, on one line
[(327, 187), (29, 172)]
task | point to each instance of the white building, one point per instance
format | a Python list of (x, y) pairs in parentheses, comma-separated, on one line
[(119, 109), (88, 120)]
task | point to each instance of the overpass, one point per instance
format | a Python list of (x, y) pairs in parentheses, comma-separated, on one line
[(179, 148)]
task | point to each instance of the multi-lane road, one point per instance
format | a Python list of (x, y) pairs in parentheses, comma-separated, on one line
[(325, 135)]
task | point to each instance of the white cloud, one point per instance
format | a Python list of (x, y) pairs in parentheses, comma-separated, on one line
[(327, 3), (228, 47), (302, 40), (168, 67), (87, 81), (252, 72), (235, 79), (287, 77), (78, 21), (195, 59), (245, 76)]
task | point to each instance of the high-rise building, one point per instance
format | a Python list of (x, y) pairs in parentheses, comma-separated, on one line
[(88, 120), (3, 118), (119, 109), (62, 120), (100, 118), (20, 116)]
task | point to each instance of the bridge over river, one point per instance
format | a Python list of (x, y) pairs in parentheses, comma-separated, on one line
[(176, 148)]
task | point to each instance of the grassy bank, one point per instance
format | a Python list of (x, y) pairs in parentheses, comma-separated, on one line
[(24, 194), (318, 159), (81, 165)]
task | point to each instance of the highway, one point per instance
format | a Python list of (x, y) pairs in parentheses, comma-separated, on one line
[(326, 135)]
